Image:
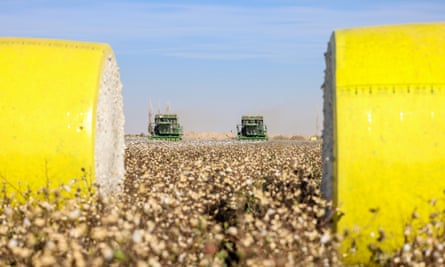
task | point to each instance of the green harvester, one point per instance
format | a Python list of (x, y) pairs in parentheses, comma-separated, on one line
[(165, 127), (252, 128)]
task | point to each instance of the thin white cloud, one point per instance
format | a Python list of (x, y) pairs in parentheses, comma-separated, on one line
[(293, 32), (203, 30)]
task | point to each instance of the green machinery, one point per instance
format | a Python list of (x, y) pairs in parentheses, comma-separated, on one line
[(165, 127), (252, 128)]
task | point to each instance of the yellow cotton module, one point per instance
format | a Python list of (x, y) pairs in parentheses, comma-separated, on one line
[(50, 104), (384, 139)]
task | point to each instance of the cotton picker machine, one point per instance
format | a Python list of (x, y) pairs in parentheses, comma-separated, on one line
[(165, 126), (252, 128)]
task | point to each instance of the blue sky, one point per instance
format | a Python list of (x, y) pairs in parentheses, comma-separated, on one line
[(214, 61)]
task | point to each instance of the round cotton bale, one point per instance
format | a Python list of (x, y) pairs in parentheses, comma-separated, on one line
[(62, 116), (384, 136)]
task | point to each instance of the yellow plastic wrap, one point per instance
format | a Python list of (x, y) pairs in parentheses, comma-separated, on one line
[(48, 101), (388, 100)]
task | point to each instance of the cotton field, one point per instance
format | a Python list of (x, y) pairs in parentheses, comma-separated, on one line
[(189, 203)]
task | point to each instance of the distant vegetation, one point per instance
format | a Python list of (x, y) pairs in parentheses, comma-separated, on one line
[(228, 136)]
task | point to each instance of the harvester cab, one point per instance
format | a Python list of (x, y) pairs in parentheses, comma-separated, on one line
[(166, 127), (252, 128)]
